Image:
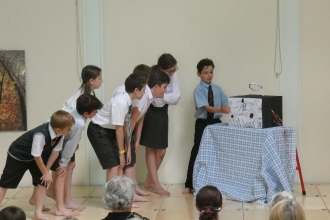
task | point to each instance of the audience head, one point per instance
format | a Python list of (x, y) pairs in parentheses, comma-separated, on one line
[(287, 209), (119, 193), (208, 203), (91, 77), (12, 213), (279, 197)]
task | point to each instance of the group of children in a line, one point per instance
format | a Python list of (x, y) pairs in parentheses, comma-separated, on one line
[(136, 114)]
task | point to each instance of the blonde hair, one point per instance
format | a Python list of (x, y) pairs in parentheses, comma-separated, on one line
[(61, 119), (287, 210)]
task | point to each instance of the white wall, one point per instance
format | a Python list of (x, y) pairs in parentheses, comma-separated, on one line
[(238, 35), (314, 91)]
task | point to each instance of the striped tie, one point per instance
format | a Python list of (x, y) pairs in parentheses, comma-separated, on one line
[(129, 123)]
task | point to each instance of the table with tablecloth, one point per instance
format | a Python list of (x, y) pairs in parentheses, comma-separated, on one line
[(246, 164)]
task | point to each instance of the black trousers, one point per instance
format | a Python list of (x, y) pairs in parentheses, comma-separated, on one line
[(200, 125)]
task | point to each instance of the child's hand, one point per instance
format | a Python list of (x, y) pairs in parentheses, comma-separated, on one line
[(61, 171), (225, 109), (46, 179), (128, 157), (77, 148)]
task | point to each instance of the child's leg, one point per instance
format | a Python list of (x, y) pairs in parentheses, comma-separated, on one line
[(199, 129), (112, 172), (40, 194), (61, 210), (32, 200), (137, 189), (151, 159), (130, 172), (69, 204), (51, 189), (2, 194)]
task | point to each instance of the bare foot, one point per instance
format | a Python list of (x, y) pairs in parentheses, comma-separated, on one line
[(33, 202), (159, 190), (66, 212), (186, 191), (74, 206), (140, 192), (40, 217), (51, 194), (137, 198), (135, 206)]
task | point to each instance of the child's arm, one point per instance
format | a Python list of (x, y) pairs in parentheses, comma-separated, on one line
[(134, 117), (172, 97), (120, 140), (127, 143), (71, 145), (46, 177), (223, 109), (137, 133)]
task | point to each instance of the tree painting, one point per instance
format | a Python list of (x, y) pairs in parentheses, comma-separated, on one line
[(12, 91)]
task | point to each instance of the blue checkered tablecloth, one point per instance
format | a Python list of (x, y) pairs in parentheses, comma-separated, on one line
[(246, 164)]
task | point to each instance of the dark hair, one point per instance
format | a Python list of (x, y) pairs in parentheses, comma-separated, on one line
[(143, 70), (134, 81), (204, 62), (88, 103), (208, 199), (165, 61), (158, 77), (87, 73), (12, 213)]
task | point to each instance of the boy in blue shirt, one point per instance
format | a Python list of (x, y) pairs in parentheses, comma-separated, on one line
[(36, 150), (210, 104)]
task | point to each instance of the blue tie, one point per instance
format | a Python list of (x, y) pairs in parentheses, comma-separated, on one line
[(129, 123)]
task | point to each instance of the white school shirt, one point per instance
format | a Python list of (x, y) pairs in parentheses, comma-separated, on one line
[(144, 103), (113, 112), (71, 103), (172, 95), (72, 139), (39, 142)]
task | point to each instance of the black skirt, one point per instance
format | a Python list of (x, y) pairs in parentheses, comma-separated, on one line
[(155, 128)]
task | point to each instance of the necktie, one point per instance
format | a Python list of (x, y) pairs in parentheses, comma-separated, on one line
[(54, 140), (211, 103), (129, 123)]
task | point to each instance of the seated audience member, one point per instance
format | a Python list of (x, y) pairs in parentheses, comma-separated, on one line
[(208, 203), (12, 213), (287, 209), (279, 197), (118, 197)]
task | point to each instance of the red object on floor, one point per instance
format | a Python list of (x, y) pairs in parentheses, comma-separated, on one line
[(300, 174)]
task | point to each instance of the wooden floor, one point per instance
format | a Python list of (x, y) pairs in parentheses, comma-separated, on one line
[(316, 204)]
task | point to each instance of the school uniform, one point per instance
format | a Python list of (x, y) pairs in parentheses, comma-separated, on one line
[(102, 129), (155, 126), (201, 100), (34, 143), (71, 103), (70, 141), (142, 105)]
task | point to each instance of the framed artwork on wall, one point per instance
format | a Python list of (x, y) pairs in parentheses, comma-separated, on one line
[(12, 91)]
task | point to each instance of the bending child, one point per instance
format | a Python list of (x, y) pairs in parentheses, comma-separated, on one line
[(36, 151)]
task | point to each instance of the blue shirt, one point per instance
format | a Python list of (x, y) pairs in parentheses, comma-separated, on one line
[(201, 100)]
